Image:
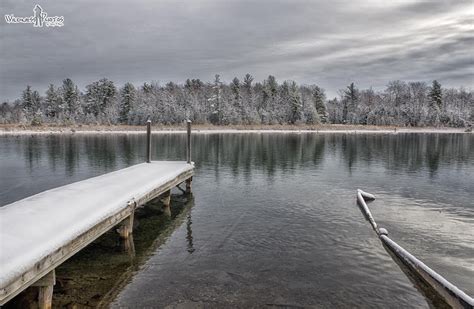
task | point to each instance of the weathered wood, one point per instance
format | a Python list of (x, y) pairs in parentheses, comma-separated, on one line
[(45, 297), (45, 289), (188, 141), (47, 280), (148, 141), (166, 198), (56, 258), (167, 186), (125, 228), (188, 185), (128, 245)]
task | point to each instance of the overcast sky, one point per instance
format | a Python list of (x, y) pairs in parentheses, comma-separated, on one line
[(329, 43)]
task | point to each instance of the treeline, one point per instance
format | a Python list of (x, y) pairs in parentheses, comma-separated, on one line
[(241, 102)]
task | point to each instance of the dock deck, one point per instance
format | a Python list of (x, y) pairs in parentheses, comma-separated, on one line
[(40, 232)]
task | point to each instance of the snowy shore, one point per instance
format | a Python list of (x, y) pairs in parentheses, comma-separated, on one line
[(209, 129)]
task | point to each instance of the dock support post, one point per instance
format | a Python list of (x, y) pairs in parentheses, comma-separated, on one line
[(128, 246), (126, 226), (166, 200), (45, 290), (188, 142), (188, 185), (148, 141)]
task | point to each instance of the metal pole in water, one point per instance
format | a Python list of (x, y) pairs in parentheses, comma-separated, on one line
[(188, 144), (148, 141)]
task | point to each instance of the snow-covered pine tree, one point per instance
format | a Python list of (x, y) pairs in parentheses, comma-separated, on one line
[(435, 103), (436, 95), (215, 99), (237, 107), (319, 98), (127, 100), (27, 101), (350, 100), (70, 97), (295, 103), (52, 103)]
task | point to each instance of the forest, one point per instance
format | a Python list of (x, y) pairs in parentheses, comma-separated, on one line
[(242, 101)]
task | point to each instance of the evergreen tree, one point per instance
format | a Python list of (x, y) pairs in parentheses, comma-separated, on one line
[(247, 83), (290, 97), (436, 96), (216, 116), (35, 102), (99, 96), (237, 102), (37, 117), (269, 109), (249, 114), (70, 97), (319, 99), (128, 96), (52, 102), (27, 100), (350, 100)]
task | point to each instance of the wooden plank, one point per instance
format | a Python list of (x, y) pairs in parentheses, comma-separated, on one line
[(56, 258), (47, 280)]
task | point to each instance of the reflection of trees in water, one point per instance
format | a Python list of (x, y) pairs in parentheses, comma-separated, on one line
[(189, 233), (32, 152), (54, 150), (247, 153), (72, 156), (102, 150)]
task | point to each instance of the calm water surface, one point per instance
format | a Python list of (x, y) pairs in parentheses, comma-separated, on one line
[(274, 220)]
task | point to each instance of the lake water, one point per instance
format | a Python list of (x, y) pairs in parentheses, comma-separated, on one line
[(274, 220)]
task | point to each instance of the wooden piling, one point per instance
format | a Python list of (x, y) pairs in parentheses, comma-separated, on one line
[(128, 245), (166, 198), (148, 141), (45, 290), (188, 185), (188, 144), (126, 226)]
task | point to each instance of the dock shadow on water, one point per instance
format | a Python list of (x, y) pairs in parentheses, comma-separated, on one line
[(95, 275)]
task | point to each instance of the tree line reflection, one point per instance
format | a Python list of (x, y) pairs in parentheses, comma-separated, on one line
[(248, 153)]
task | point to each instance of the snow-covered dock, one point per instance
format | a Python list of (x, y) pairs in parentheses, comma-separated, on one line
[(39, 233)]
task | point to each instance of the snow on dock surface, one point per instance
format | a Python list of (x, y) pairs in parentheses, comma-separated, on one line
[(32, 228)]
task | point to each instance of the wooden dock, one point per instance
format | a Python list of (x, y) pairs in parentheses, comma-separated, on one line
[(39, 233)]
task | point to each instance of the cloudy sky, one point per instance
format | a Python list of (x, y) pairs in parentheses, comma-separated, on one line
[(329, 43)]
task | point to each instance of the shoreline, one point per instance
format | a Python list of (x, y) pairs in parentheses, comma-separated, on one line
[(18, 130)]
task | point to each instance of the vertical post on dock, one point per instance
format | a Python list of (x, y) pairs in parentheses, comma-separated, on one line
[(166, 200), (188, 185), (148, 141), (45, 290), (188, 142)]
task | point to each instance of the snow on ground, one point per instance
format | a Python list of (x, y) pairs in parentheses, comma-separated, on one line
[(234, 131), (34, 227)]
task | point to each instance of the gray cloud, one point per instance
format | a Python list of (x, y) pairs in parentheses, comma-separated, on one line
[(330, 43)]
